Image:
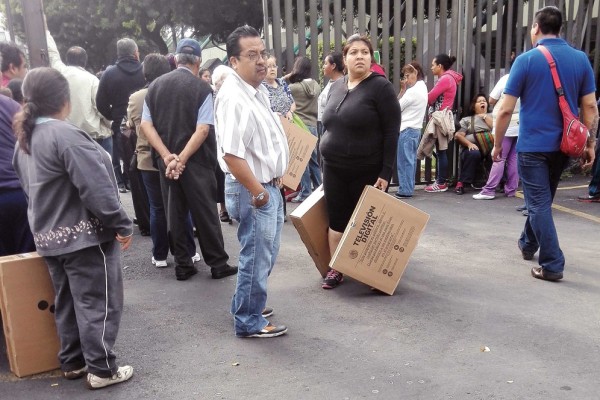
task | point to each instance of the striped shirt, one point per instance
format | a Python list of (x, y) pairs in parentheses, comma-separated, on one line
[(247, 128)]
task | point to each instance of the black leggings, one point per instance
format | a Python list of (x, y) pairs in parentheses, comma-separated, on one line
[(343, 187)]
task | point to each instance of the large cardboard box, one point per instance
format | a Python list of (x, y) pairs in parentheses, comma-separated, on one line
[(312, 222), (27, 307), (301, 144), (379, 239)]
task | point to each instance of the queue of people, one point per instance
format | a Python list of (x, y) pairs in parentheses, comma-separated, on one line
[(62, 185)]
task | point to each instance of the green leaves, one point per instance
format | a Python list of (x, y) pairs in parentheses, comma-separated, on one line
[(97, 25)]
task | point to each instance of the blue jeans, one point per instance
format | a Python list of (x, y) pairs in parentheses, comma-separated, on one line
[(259, 233), (106, 144), (408, 142), (441, 166), (312, 173), (158, 219), (540, 173), (594, 187)]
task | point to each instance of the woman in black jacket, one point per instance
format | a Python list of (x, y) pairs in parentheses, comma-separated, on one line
[(361, 121)]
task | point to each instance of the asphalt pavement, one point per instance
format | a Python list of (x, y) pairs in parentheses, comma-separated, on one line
[(467, 320)]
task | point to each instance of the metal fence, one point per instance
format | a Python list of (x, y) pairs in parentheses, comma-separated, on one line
[(484, 35)]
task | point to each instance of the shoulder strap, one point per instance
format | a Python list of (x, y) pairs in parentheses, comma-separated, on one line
[(472, 126), (555, 78)]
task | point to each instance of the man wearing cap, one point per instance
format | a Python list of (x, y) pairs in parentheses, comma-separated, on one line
[(178, 121)]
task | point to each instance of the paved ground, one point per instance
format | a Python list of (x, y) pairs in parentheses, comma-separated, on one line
[(466, 288)]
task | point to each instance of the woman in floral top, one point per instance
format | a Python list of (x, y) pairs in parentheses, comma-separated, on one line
[(281, 98)]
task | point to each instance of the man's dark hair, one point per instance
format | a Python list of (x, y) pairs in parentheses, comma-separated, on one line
[(549, 19), (154, 66), (302, 69), (76, 56), (11, 54), (233, 40)]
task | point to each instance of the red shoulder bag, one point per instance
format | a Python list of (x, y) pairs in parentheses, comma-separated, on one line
[(575, 133)]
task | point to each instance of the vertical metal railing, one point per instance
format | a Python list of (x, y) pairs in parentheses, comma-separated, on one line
[(482, 35)]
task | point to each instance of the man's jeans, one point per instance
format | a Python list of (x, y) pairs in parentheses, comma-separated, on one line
[(259, 234), (312, 173), (408, 142), (540, 173)]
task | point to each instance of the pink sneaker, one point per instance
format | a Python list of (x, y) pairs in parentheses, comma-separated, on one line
[(332, 280), (436, 188)]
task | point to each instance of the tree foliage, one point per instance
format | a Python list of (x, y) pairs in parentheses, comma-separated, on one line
[(97, 25)]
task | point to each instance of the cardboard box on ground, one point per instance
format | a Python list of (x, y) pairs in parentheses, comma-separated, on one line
[(27, 307), (301, 144), (377, 243)]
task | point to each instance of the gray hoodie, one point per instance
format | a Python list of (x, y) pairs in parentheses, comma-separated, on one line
[(306, 96), (71, 189)]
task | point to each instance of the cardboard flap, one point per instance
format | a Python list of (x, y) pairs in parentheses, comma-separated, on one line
[(311, 221), (301, 144)]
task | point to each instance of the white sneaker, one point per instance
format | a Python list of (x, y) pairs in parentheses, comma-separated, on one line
[(123, 374), (196, 258), (480, 196), (159, 263)]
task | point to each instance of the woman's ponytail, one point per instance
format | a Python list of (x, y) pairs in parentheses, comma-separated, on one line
[(23, 125)]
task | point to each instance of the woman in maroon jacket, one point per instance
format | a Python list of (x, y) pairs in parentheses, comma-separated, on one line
[(440, 98)]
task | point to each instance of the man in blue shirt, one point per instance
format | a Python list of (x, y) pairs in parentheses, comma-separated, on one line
[(540, 160)]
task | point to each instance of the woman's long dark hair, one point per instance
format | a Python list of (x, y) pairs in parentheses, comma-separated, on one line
[(45, 91), (302, 69)]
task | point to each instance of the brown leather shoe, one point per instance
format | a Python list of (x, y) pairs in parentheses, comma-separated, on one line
[(540, 273)]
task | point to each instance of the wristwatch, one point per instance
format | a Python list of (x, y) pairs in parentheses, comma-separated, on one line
[(259, 197)]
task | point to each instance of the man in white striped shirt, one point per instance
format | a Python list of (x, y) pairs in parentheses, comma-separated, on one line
[(253, 151)]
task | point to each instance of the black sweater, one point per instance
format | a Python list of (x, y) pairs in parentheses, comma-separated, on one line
[(117, 83), (362, 125)]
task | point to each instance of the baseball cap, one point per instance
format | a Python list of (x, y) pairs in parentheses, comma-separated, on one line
[(189, 46)]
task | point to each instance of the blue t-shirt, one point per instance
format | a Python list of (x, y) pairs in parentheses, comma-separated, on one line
[(540, 119)]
